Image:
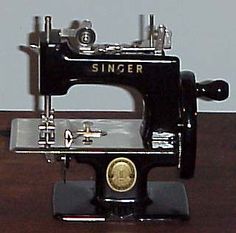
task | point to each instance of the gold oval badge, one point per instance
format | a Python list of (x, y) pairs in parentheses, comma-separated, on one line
[(121, 174)]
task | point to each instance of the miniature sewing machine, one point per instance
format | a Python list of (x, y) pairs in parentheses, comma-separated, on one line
[(122, 151)]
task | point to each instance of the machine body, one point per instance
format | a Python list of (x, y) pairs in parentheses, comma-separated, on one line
[(121, 151)]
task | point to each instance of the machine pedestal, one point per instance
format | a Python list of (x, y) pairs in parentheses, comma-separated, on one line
[(75, 201)]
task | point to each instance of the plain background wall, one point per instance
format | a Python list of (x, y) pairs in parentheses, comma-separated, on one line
[(204, 38)]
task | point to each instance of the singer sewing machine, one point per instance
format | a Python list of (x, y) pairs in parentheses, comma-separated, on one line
[(122, 151)]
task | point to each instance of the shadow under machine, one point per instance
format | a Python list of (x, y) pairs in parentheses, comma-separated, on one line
[(122, 151)]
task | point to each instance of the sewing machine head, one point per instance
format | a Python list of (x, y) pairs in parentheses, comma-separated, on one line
[(70, 56), (122, 151)]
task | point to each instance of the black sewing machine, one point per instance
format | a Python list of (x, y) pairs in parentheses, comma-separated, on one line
[(122, 151)]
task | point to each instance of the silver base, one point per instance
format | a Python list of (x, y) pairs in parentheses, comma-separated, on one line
[(122, 133), (122, 137)]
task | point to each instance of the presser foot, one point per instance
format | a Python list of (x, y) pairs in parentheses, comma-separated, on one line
[(74, 201)]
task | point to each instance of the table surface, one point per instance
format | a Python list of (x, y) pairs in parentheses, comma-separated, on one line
[(26, 183)]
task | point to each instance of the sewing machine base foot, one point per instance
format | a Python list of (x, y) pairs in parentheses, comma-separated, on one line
[(72, 201)]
